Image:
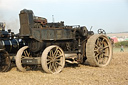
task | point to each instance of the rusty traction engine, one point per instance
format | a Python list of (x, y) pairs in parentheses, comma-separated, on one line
[(50, 45), (9, 45)]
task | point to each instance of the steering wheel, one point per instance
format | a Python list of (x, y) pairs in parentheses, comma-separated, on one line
[(101, 31)]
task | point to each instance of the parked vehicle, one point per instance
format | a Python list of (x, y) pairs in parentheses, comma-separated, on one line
[(52, 44)]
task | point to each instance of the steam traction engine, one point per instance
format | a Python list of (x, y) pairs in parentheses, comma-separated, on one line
[(52, 44), (8, 47)]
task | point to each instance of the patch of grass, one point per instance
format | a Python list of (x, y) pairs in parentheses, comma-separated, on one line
[(117, 49), (124, 43)]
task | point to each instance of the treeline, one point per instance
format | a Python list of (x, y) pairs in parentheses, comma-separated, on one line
[(123, 43)]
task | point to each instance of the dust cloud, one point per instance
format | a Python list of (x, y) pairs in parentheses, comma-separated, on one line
[(11, 23)]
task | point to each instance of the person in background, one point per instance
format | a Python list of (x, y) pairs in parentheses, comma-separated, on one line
[(122, 48)]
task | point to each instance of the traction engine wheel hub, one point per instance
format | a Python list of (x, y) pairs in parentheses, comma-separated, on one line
[(100, 50)]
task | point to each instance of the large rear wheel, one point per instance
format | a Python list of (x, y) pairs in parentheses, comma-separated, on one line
[(53, 59), (98, 50)]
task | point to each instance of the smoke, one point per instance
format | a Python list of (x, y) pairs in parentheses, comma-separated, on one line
[(9, 14), (10, 22), (13, 25)]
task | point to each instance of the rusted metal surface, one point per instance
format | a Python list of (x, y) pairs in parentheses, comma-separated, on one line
[(41, 36)]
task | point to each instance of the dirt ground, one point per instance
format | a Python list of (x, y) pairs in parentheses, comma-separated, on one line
[(114, 74)]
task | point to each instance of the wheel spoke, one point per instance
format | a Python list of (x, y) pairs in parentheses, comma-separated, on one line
[(59, 56), (106, 47), (100, 59), (97, 57), (96, 46), (28, 54), (56, 51), (96, 50), (49, 62), (60, 52), (106, 55), (49, 57), (98, 42), (103, 41), (51, 53), (104, 60), (104, 51), (54, 66), (101, 56), (57, 60), (58, 63), (50, 66), (25, 53)]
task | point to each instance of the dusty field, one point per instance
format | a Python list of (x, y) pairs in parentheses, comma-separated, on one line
[(114, 74), (118, 34)]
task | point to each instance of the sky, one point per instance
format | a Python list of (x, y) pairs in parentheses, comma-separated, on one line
[(110, 15)]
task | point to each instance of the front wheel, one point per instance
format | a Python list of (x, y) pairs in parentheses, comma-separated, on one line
[(53, 59), (22, 52)]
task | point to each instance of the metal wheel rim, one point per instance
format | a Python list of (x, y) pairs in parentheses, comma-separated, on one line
[(53, 59), (19, 57), (99, 50)]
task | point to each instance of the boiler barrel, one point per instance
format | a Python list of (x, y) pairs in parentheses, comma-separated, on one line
[(10, 45)]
